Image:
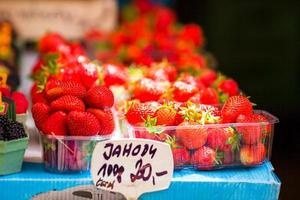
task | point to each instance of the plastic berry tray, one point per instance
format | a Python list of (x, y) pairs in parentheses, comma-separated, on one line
[(69, 154), (11, 155), (214, 146)]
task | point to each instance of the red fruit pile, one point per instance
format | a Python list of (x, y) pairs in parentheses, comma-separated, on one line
[(67, 108), (205, 136), (18, 97), (63, 60)]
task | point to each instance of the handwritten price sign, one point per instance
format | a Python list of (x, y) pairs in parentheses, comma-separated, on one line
[(132, 166)]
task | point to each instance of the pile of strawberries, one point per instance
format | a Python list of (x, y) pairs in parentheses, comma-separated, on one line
[(204, 136), (149, 33), (67, 97)]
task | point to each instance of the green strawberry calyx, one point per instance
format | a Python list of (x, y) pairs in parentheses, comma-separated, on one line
[(234, 140), (151, 125), (219, 156)]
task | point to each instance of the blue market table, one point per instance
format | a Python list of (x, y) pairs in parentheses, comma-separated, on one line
[(258, 183)]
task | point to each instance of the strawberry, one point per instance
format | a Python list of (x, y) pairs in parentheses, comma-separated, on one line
[(82, 124), (191, 134), (52, 42), (147, 90), (106, 120), (218, 138), (265, 124), (40, 113), (21, 102), (183, 91), (180, 154), (162, 72), (181, 157), (235, 106), (209, 96), (250, 130), (114, 75), (56, 89), (56, 124), (192, 32), (138, 112), (68, 103), (205, 158), (229, 87), (89, 74), (253, 154), (165, 115), (99, 97), (208, 77), (37, 96), (37, 66)]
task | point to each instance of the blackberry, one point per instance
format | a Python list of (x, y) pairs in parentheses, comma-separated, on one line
[(15, 130), (10, 130)]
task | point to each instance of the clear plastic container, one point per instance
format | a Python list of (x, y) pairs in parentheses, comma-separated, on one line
[(214, 146), (69, 154)]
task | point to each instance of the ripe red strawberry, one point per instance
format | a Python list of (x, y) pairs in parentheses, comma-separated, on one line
[(21, 102), (106, 120), (235, 106), (37, 66), (218, 138), (40, 113), (209, 96), (37, 96), (253, 154), (183, 91), (265, 124), (250, 130), (204, 158), (165, 115), (147, 90), (82, 124), (162, 72), (138, 112), (68, 103), (52, 42), (192, 32), (208, 77), (229, 87), (181, 155), (191, 135), (114, 75), (99, 97), (56, 89), (141, 131), (89, 74), (56, 124)]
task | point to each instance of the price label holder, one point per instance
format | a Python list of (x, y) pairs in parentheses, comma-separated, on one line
[(132, 166)]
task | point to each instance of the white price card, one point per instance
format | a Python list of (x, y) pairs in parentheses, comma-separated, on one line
[(132, 166)]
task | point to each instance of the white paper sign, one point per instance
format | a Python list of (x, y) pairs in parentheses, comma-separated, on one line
[(71, 18), (132, 166)]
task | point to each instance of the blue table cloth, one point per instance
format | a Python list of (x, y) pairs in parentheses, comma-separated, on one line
[(256, 183)]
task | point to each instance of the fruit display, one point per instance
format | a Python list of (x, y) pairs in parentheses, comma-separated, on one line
[(19, 98), (150, 33), (205, 137), (71, 109)]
